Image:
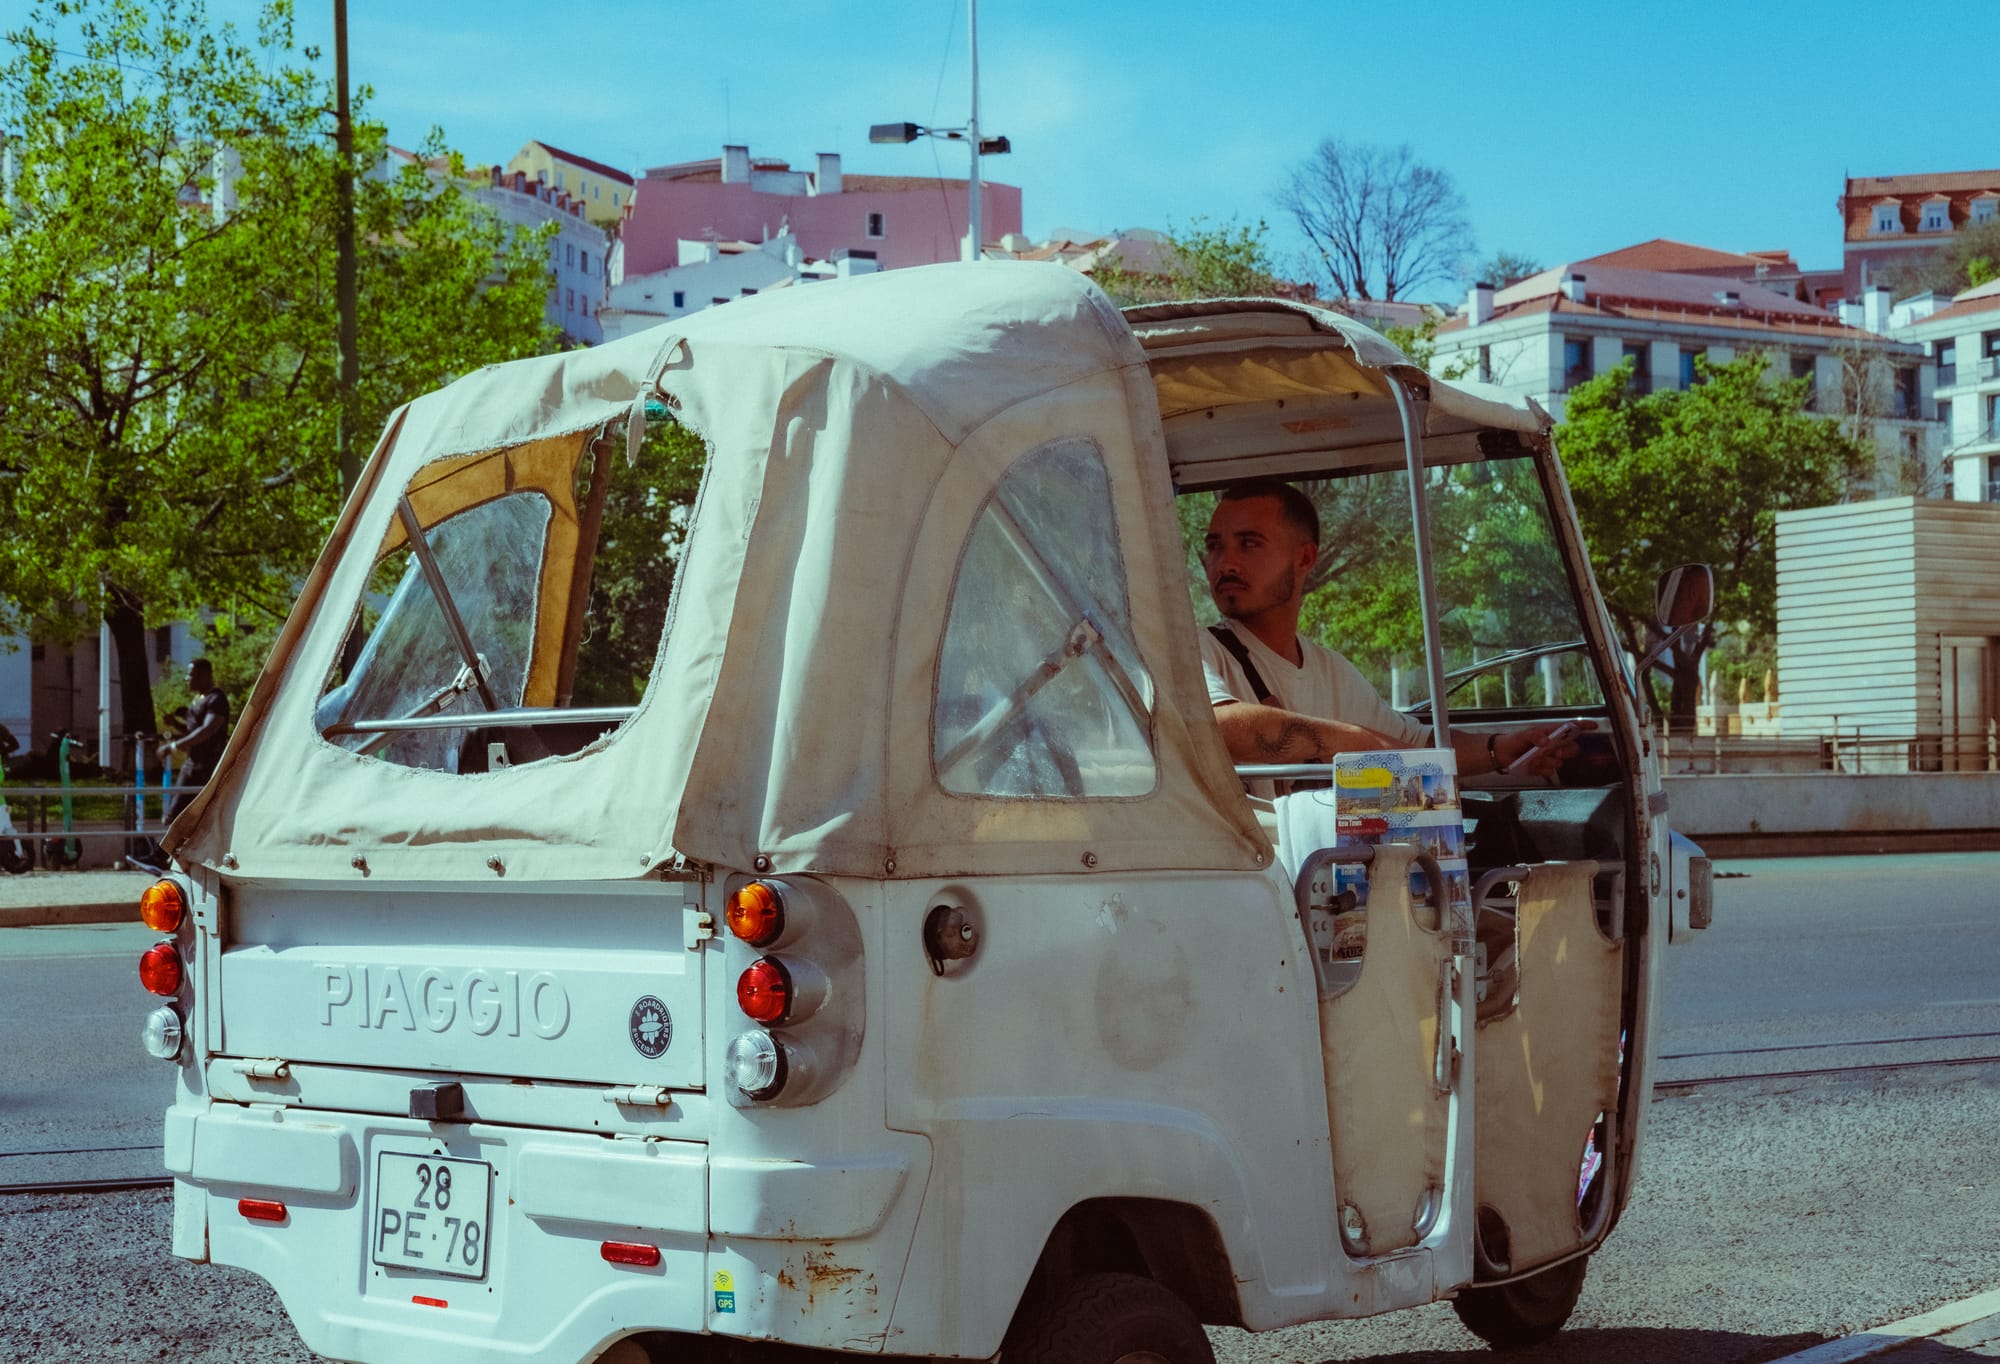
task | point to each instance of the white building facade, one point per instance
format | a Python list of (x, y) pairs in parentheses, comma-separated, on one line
[(1553, 331), (1962, 337), (579, 275)]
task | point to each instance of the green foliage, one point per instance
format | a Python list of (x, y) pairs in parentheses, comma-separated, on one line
[(1505, 267), (644, 530), (1420, 344), (1697, 476), (1964, 261), (168, 372), (1199, 260)]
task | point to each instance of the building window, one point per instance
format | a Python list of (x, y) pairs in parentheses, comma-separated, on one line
[(747, 292), (1641, 356), (1803, 367), (1486, 364), (569, 253), (876, 227), (593, 191), (1937, 218), (1687, 367), (680, 298), (1576, 360), (1944, 418), (614, 198), (1992, 417), (569, 300), (1888, 218), (559, 177), (1983, 210), (163, 644), (1947, 358), (1993, 478), (1906, 393)]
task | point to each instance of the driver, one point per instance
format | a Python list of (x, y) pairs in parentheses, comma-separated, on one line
[(1280, 698)]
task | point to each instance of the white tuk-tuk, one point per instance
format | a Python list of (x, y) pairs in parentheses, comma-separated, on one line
[(894, 964)]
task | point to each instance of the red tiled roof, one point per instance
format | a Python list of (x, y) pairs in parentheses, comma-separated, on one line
[(1659, 296), (1681, 257), (1971, 307), (1909, 193), (585, 163)]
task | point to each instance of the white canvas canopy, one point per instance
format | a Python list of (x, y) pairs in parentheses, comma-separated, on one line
[(857, 431)]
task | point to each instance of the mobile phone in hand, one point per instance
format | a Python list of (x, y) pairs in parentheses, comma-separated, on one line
[(1556, 736)]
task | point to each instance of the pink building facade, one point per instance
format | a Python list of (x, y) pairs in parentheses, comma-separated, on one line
[(901, 219)]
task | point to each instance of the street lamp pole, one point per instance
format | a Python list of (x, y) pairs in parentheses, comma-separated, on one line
[(344, 264), (975, 198)]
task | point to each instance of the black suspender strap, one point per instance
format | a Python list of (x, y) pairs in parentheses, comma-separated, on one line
[(1227, 638)]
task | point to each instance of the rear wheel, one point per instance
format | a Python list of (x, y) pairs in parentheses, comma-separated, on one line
[(1509, 1316), (1107, 1319)]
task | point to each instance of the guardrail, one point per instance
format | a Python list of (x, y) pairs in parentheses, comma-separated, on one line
[(1832, 753)]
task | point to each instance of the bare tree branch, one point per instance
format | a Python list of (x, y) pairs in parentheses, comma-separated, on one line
[(1378, 219)]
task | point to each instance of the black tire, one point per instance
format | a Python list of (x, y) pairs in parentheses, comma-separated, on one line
[(1510, 1316), (58, 853), (1106, 1319), (17, 855)]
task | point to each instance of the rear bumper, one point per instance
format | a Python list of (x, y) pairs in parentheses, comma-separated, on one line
[(805, 1252)]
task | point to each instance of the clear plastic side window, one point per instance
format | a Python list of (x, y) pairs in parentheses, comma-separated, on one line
[(1041, 691), (519, 603), (488, 559)]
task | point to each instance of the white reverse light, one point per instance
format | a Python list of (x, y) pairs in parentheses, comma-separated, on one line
[(163, 1034), (756, 1064)]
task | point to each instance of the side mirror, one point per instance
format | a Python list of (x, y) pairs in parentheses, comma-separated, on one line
[(1684, 596)]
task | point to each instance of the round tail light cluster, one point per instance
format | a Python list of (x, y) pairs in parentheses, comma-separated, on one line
[(773, 991), (160, 969)]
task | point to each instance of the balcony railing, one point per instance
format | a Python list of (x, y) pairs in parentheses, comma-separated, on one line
[(1833, 753), (1989, 367)]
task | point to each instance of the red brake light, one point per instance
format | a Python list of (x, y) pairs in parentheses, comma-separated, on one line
[(756, 914), (630, 1253), (162, 907), (261, 1209), (764, 990), (160, 969)]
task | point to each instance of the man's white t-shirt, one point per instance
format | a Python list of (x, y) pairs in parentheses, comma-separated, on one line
[(1326, 686)]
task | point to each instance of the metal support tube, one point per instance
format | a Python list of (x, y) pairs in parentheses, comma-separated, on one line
[(413, 530), (1412, 410)]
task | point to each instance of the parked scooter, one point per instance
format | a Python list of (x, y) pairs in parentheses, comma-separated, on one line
[(64, 851)]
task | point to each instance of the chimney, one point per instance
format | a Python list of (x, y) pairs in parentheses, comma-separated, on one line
[(1875, 309), (227, 168), (828, 179), (1479, 303), (848, 263), (736, 165), (1572, 287), (1850, 314)]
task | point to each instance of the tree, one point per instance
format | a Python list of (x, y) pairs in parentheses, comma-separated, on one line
[(1697, 475), (1505, 267), (167, 371), (1969, 259), (1379, 221), (1226, 260)]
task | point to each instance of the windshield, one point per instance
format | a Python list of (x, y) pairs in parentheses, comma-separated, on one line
[(1512, 634)]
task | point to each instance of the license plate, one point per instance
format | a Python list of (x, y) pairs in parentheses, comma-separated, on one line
[(431, 1214)]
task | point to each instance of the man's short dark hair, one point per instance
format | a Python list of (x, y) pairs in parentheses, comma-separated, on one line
[(1294, 507), (201, 665)]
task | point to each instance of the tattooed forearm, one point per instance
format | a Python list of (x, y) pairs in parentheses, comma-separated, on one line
[(1292, 738)]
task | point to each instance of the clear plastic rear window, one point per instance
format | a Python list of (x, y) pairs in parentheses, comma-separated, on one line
[(1041, 690)]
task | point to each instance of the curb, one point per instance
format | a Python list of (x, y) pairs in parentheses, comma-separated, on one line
[(42, 916), (1896, 1334)]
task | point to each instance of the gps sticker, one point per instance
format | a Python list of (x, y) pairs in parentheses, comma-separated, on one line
[(725, 1291), (651, 1028)]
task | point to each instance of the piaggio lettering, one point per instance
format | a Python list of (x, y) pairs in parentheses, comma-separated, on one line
[(480, 1001)]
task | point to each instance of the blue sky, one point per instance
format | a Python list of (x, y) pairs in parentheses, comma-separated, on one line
[(1571, 129)]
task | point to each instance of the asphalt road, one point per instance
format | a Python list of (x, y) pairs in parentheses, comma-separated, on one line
[(1769, 1213)]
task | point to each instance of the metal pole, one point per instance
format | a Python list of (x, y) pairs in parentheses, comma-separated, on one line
[(975, 215), (104, 693), (1412, 411), (344, 268)]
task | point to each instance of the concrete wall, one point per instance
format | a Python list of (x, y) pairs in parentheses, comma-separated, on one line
[(1822, 812)]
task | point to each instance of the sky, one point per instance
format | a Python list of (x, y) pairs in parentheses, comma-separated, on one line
[(1571, 129)]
